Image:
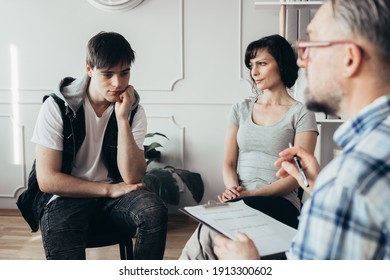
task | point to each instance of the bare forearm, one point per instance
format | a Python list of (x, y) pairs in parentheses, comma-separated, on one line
[(66, 185), (52, 180), (230, 177), (131, 160), (278, 188)]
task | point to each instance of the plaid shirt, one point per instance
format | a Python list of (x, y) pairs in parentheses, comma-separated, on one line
[(348, 215)]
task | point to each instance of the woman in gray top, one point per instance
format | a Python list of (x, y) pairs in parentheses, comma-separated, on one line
[(259, 128), (262, 127)]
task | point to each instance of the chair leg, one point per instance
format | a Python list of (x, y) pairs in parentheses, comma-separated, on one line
[(126, 249), (129, 249), (122, 250)]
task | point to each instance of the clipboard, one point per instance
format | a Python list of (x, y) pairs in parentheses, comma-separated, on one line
[(210, 204), (271, 237)]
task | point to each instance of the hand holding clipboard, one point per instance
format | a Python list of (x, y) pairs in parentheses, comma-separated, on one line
[(271, 237)]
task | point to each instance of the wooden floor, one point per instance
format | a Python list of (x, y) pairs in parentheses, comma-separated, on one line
[(18, 243)]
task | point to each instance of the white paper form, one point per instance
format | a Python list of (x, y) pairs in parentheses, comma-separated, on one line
[(269, 235)]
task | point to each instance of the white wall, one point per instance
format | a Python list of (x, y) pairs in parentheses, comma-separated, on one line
[(188, 71)]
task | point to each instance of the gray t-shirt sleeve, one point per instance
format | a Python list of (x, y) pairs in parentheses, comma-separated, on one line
[(233, 116), (306, 120), (241, 112)]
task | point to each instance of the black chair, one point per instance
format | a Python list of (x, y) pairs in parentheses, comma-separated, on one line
[(102, 237), (300, 195)]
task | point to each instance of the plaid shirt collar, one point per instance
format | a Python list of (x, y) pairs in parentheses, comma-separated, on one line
[(348, 134)]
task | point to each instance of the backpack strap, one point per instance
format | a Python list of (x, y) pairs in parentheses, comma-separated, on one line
[(132, 114)]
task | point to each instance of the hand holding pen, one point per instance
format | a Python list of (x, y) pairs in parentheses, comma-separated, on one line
[(300, 164)]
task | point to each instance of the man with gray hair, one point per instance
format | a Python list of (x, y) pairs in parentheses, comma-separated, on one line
[(347, 61)]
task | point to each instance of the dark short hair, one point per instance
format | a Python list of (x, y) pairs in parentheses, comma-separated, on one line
[(281, 51), (108, 49)]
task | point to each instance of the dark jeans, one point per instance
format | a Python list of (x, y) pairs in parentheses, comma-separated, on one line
[(278, 208), (65, 223)]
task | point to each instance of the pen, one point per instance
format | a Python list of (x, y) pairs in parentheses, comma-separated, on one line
[(299, 166)]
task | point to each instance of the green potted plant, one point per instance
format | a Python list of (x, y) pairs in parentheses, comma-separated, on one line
[(163, 180)]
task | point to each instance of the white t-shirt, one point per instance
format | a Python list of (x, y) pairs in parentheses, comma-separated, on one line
[(89, 163)]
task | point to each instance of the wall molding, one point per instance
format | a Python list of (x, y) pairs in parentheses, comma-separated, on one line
[(181, 26), (171, 119), (109, 6), (170, 84), (16, 191), (240, 46), (181, 48), (23, 164)]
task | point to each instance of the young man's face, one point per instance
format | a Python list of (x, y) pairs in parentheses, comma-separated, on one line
[(108, 83)]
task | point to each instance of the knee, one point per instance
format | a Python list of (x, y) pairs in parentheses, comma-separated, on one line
[(152, 210), (206, 235)]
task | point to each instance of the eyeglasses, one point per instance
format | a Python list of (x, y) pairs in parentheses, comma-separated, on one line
[(303, 46)]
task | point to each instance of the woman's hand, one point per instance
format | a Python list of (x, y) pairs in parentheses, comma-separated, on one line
[(231, 193)]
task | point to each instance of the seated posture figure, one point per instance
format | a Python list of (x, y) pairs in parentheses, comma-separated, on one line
[(259, 128), (347, 59), (89, 159)]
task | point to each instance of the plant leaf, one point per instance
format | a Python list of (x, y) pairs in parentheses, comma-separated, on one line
[(193, 181), (161, 182), (154, 134), (152, 155), (152, 146)]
